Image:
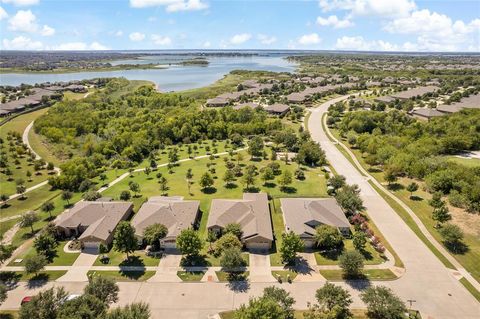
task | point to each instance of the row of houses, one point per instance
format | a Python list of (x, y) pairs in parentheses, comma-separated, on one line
[(95, 222), (470, 102), (408, 94), (308, 93), (251, 88)]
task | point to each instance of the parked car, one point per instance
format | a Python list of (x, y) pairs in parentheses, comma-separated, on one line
[(26, 300)]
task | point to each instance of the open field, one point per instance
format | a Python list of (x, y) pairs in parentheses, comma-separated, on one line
[(61, 258)]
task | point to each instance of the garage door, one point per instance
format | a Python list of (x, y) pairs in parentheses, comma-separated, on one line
[(258, 246), (90, 245), (168, 244)]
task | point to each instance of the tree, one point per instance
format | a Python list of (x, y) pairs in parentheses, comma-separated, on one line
[(239, 158), (232, 259), (311, 154), (382, 303), (125, 195), (436, 200), (229, 177), (45, 244), (4, 199), (29, 176), (82, 307), (390, 176), (91, 195), (45, 305), (147, 171), (153, 233), (349, 199), (282, 297), (255, 146), (28, 219), (227, 241), (3, 293), (249, 176), (50, 166), (173, 155), (291, 244), (267, 175), (5, 252), (452, 236), (206, 181), (21, 189), (286, 179), (35, 263), (124, 239), (234, 228), (134, 187), (48, 207), (133, 311), (359, 240), (189, 242), (333, 302), (441, 214), (104, 288), (163, 185), (412, 187), (328, 237), (351, 261), (66, 196), (262, 307)]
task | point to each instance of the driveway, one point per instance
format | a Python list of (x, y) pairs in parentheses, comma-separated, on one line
[(306, 267), (426, 280), (259, 267), (81, 266), (168, 267)]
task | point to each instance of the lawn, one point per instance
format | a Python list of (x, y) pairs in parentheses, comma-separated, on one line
[(138, 258), (284, 275), (470, 162), (370, 274), (16, 276), (233, 276), (6, 225), (357, 314), (61, 258), (470, 288), (372, 257), (123, 275), (19, 123), (190, 275), (278, 229)]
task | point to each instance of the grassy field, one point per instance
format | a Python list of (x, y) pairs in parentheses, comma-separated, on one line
[(190, 275), (138, 258), (372, 257), (123, 275), (369, 274), (19, 123), (470, 162), (61, 258)]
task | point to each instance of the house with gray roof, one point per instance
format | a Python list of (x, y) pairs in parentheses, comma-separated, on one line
[(470, 102), (303, 215), (426, 113), (418, 91), (174, 212), (252, 213), (93, 222), (277, 109)]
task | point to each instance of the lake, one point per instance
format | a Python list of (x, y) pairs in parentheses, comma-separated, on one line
[(172, 78)]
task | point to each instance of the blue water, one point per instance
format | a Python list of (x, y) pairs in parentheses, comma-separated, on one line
[(172, 78)]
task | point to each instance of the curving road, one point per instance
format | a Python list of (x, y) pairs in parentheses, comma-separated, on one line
[(434, 287)]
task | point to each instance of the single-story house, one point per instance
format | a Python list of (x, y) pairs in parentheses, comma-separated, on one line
[(252, 213), (426, 113), (252, 105), (174, 212), (470, 102), (303, 215), (93, 222), (296, 97), (418, 91), (217, 102), (277, 109), (384, 99)]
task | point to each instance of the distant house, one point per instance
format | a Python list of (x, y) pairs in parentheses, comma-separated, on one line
[(418, 91), (277, 109), (425, 113), (297, 97), (384, 99), (93, 222), (248, 104), (76, 88), (175, 213), (252, 213), (303, 215), (470, 102), (217, 102)]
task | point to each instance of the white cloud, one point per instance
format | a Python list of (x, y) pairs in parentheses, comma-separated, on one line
[(382, 8), (335, 22), (98, 46), (171, 5), (21, 3), (161, 40), (136, 36), (437, 32), (265, 39), (207, 44), (309, 39), (240, 38), (119, 33), (47, 31), (78, 46), (358, 43), (21, 43), (3, 14)]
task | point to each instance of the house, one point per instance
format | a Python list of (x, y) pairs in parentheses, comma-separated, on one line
[(252, 213), (296, 97), (93, 222), (277, 109), (303, 215), (217, 102), (173, 212), (426, 113), (470, 102), (418, 91), (248, 104), (384, 99)]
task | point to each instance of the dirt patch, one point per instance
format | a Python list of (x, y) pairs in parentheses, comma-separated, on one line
[(469, 223)]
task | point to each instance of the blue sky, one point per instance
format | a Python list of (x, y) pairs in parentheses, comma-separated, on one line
[(381, 25)]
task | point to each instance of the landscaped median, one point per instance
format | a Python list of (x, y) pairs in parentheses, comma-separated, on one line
[(367, 274), (191, 276)]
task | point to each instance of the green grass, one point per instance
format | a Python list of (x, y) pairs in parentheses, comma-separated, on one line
[(284, 274), (357, 314), (475, 293), (43, 149), (372, 257), (61, 258), (123, 275), (8, 314), (370, 274), (278, 229), (6, 225), (472, 162), (15, 276), (234, 276), (138, 258), (190, 275), (19, 123)]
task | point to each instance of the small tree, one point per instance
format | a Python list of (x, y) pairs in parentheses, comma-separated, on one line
[(189, 242), (282, 297), (28, 219), (234, 228), (124, 239), (291, 244), (34, 264), (255, 146), (286, 179), (441, 214), (390, 176), (383, 303), (125, 195), (267, 175), (227, 241), (328, 237), (153, 233), (333, 302), (163, 185), (3, 293), (206, 181), (21, 189), (104, 288), (134, 311), (66, 196), (351, 261), (359, 240), (50, 166), (412, 187), (29, 176), (134, 187), (45, 244), (232, 259), (452, 236), (5, 252), (249, 177), (4, 199), (44, 305), (229, 177), (48, 207)]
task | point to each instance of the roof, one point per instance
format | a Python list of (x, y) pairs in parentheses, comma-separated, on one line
[(100, 218), (385, 99), (427, 112), (470, 102), (302, 215), (251, 212), (175, 213), (418, 91), (277, 108), (217, 101), (248, 104), (296, 97)]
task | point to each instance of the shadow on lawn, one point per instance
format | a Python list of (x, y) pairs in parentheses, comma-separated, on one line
[(136, 261), (37, 281)]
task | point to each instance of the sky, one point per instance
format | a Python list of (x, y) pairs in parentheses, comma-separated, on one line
[(363, 25)]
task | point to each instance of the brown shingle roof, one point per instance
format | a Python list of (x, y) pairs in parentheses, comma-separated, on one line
[(418, 91)]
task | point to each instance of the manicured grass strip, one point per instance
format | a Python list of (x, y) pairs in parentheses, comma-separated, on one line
[(413, 226), (475, 293), (134, 275), (284, 275), (234, 276), (370, 274), (138, 258), (190, 275), (15, 276), (5, 226), (357, 314)]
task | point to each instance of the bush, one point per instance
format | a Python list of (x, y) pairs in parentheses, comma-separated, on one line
[(456, 199)]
